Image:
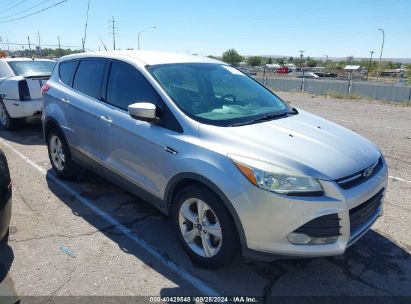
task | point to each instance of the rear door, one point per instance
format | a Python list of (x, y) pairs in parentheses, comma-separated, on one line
[(82, 103)]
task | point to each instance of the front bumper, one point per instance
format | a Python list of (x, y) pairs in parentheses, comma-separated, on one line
[(5, 213), (268, 219), (22, 109)]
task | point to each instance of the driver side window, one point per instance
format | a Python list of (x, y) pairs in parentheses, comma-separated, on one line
[(126, 85)]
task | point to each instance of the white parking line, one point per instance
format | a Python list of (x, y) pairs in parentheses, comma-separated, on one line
[(192, 280), (400, 179)]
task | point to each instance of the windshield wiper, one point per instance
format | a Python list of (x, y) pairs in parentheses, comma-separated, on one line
[(266, 117)]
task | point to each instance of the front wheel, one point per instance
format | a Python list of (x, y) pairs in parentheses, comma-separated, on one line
[(205, 228), (59, 154)]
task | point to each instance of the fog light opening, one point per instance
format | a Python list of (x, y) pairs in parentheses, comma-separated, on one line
[(303, 239), (299, 238)]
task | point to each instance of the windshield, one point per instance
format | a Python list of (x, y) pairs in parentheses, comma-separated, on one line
[(32, 68), (216, 94)]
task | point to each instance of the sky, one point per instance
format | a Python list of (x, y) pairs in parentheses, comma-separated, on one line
[(259, 27)]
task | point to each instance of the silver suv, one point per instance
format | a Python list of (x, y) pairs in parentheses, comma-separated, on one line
[(237, 168)]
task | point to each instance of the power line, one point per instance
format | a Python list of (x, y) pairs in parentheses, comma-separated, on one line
[(48, 45), (37, 12), (13, 6), (27, 9)]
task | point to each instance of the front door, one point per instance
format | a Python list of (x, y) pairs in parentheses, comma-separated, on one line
[(131, 148)]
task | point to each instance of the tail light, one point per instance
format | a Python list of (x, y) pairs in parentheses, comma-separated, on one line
[(24, 92), (45, 88)]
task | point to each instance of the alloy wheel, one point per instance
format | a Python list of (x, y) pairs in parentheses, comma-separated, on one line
[(57, 153), (200, 227)]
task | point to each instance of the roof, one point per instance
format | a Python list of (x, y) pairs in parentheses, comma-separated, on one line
[(24, 59), (146, 57)]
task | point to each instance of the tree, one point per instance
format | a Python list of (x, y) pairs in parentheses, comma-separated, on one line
[(312, 62), (291, 59), (280, 61), (270, 60), (232, 57), (254, 60)]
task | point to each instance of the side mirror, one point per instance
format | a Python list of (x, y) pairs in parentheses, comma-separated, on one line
[(143, 111)]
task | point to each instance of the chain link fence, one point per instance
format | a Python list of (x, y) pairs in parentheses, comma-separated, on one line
[(377, 91)]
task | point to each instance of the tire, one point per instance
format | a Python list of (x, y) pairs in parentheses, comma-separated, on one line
[(218, 250), (59, 155), (6, 121)]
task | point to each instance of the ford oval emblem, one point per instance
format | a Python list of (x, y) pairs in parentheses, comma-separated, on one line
[(368, 172)]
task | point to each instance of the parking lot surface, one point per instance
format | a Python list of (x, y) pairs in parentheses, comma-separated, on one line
[(122, 246)]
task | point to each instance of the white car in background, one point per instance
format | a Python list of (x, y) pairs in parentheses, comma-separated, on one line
[(21, 80)]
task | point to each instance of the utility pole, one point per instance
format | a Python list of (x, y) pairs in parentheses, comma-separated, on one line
[(102, 42), (113, 32), (382, 48), (8, 45), (28, 40), (59, 46), (301, 69), (369, 64), (38, 35), (85, 27)]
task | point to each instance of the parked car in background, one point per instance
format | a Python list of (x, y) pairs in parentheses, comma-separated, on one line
[(283, 70), (5, 198), (21, 80), (237, 168)]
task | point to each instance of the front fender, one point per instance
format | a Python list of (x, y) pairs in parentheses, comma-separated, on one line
[(211, 175)]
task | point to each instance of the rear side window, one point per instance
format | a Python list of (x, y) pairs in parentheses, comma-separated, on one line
[(89, 77), (126, 85), (66, 70)]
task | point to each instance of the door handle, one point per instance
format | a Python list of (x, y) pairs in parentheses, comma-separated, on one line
[(170, 150), (66, 101), (106, 119)]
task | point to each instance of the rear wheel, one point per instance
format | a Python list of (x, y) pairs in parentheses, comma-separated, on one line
[(205, 227), (6, 121), (59, 154)]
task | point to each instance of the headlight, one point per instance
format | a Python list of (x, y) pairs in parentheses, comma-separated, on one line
[(276, 178)]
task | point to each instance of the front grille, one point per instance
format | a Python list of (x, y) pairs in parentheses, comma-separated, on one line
[(358, 178), (363, 212), (324, 226)]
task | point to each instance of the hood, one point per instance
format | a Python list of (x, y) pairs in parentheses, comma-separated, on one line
[(305, 143)]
